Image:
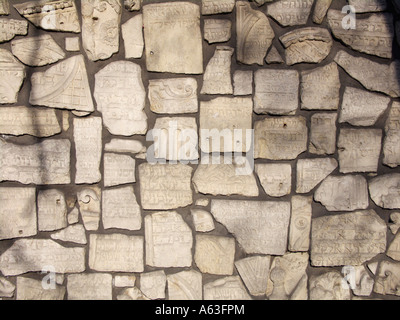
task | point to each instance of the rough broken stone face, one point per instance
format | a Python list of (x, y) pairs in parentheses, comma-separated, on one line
[(120, 97), (124, 146), (52, 210), (13, 75), (273, 56), (132, 33), (7, 289), (391, 146), (276, 91), (49, 162), (243, 83), (118, 169), (300, 224), (320, 10), (228, 288), (290, 13), (343, 193), (328, 286), (254, 34), (173, 37), (152, 284), (260, 227), (323, 133), (283, 138), (32, 289), (89, 286), (254, 273), (132, 294), (124, 281), (9, 28), (216, 6), (348, 239), (185, 285), (203, 221), (394, 248), (75, 233), (373, 35), (89, 200), (217, 77), (217, 30), (384, 191), (368, 5), (363, 282), (177, 251), (4, 7), (133, 5), (387, 279), (275, 178), (72, 44), (306, 45)]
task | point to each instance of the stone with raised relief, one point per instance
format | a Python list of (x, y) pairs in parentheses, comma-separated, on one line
[(374, 35), (9, 28), (132, 294), (165, 186), (173, 37), (17, 212), (274, 56), (52, 210), (343, 193), (123, 281), (153, 284), (169, 240), (275, 178), (228, 288), (254, 273), (320, 10), (43, 163), (7, 288), (290, 13), (132, 33), (118, 169), (214, 254), (89, 286), (391, 145), (369, 5), (254, 34), (59, 15), (323, 134), (276, 91), (217, 30), (387, 279), (133, 5), (33, 255), (394, 248), (13, 75), (185, 285), (260, 227), (384, 191), (32, 289), (125, 146), (225, 124), (100, 28), (280, 138), (120, 209), (4, 7), (202, 219), (306, 45), (348, 239), (75, 233), (64, 85), (120, 97), (217, 77), (359, 150), (243, 83), (116, 252), (300, 224), (310, 172), (89, 201), (328, 286), (216, 6)]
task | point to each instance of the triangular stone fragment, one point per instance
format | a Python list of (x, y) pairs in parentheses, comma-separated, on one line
[(274, 56), (394, 248), (254, 273), (310, 172)]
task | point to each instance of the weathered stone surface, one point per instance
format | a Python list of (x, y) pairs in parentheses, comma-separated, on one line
[(7, 289), (359, 150), (391, 146), (120, 209), (118, 169), (306, 45), (347, 239), (132, 33), (176, 95), (52, 210), (164, 187), (132, 294), (88, 147), (32, 289), (323, 133), (281, 138), (254, 34), (116, 252), (173, 37), (214, 254), (225, 124), (152, 284), (202, 202), (124, 281), (368, 5), (217, 30), (273, 56), (300, 224), (394, 248), (261, 2), (260, 227), (328, 286), (75, 233), (9, 28), (203, 221), (243, 83), (185, 285), (33, 255), (133, 5), (362, 284), (228, 288), (72, 44), (290, 13), (47, 162), (387, 279), (394, 226), (216, 6), (320, 88), (59, 15), (73, 216), (254, 273), (89, 200), (276, 91), (373, 35), (176, 252), (17, 212), (124, 146), (13, 75), (275, 178), (4, 7), (320, 10), (120, 97), (64, 85), (89, 286), (384, 191), (100, 28), (310, 172), (217, 77), (343, 193)]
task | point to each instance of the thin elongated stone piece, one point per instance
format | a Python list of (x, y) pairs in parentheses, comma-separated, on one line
[(13, 75), (320, 10), (300, 224), (52, 210), (132, 33), (323, 133), (391, 146)]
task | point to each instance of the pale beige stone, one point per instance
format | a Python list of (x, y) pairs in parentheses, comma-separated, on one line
[(361, 283), (89, 286), (300, 224), (121, 281), (72, 44), (274, 56), (275, 178), (4, 7), (243, 83), (368, 5), (254, 273), (73, 216), (132, 33), (32, 289), (217, 30), (384, 191), (328, 286), (290, 13), (133, 5), (132, 294), (323, 134), (185, 285), (203, 221), (228, 288), (89, 200), (387, 279), (216, 6), (9, 28), (75, 233), (394, 226), (153, 284), (394, 248), (13, 75), (7, 288), (202, 202), (52, 210), (118, 169), (320, 10), (391, 145), (125, 146)]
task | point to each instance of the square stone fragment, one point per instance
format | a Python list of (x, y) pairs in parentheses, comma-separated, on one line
[(185, 285), (119, 169), (89, 286), (243, 83), (275, 178), (72, 44), (153, 284)]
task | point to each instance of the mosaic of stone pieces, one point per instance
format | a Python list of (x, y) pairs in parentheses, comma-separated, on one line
[(85, 213)]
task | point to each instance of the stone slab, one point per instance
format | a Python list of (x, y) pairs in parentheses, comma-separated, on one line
[(300, 224), (217, 30), (52, 210), (132, 33), (323, 133), (9, 28), (119, 169), (13, 75), (89, 286)]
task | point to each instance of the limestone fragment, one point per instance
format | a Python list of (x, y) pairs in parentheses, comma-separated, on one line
[(217, 30), (323, 134), (177, 251), (275, 178), (133, 5), (124, 146), (395, 222), (72, 44), (9, 28), (368, 5), (216, 6), (118, 169), (202, 202), (33, 255), (394, 248), (7, 288), (273, 56), (228, 288), (13, 75), (132, 294), (320, 10), (348, 239), (254, 34), (4, 7), (132, 33), (124, 281), (267, 220), (52, 210), (203, 221), (384, 191), (361, 282), (89, 200), (73, 216), (243, 83), (185, 285), (75, 233), (290, 13), (343, 193), (153, 284), (387, 279), (89, 286), (328, 286), (217, 77), (300, 224), (100, 28), (173, 37), (391, 146), (32, 289)]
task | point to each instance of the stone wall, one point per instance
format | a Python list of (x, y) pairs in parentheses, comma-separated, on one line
[(107, 190)]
